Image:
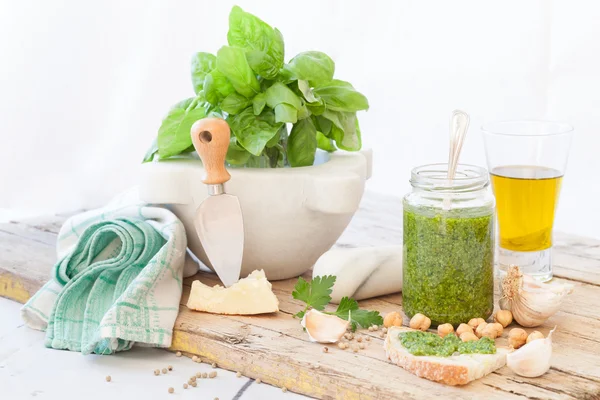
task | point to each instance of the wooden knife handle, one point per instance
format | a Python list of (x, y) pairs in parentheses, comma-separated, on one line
[(211, 140)]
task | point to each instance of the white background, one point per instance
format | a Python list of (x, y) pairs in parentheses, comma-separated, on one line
[(85, 84)]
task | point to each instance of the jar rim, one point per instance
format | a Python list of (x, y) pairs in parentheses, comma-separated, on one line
[(433, 177)]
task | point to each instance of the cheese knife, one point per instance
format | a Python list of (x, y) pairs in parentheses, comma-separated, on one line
[(218, 220)]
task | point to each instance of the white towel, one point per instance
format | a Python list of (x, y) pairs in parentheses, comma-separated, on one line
[(362, 272)]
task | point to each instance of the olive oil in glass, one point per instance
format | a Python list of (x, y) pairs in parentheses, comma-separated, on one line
[(527, 162), (526, 199)]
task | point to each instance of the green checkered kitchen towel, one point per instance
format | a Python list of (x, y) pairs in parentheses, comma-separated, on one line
[(118, 280)]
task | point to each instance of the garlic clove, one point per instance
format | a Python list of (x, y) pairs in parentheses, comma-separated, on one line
[(324, 328), (531, 302), (533, 359)]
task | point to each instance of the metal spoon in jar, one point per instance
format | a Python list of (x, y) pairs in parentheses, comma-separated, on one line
[(459, 123)]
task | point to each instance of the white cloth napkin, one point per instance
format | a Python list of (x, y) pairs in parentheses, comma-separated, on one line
[(362, 272)]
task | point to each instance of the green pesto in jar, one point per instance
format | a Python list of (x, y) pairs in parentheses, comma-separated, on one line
[(448, 270), (428, 344)]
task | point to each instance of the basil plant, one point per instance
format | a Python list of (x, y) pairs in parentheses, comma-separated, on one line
[(249, 85)]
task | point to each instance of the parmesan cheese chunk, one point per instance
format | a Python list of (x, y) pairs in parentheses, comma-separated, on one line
[(251, 295)]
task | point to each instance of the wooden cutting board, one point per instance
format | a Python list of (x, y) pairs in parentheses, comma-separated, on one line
[(275, 349)]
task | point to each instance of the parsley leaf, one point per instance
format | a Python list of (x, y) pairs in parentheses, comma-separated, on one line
[(348, 310), (315, 294)]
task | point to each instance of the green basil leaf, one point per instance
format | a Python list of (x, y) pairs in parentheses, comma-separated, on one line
[(235, 103), (232, 63), (281, 135), (262, 64), (190, 149), (174, 132), (323, 124), (279, 93), (216, 87), (247, 31), (277, 51), (258, 103), (265, 84), (285, 76), (267, 63), (263, 45), (341, 96), (303, 112), (310, 103), (344, 130), (307, 92), (184, 104), (222, 84), (285, 113), (236, 154), (253, 131), (202, 64), (275, 156), (211, 94), (316, 109), (312, 66), (213, 111), (302, 143), (151, 152), (324, 143)]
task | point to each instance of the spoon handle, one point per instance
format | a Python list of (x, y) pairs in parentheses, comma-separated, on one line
[(459, 123)]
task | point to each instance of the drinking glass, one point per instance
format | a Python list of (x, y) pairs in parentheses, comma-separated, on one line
[(527, 161)]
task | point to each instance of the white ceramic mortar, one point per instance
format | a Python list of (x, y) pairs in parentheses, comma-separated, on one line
[(291, 215)]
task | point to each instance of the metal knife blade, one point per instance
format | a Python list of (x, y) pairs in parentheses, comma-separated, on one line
[(218, 221), (220, 227)]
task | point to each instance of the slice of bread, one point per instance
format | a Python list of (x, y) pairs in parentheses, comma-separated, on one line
[(453, 370)]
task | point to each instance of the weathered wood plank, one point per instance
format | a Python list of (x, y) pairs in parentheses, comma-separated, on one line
[(25, 261), (275, 348), (283, 360), (573, 355)]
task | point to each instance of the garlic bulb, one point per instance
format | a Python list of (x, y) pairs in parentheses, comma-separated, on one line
[(533, 359), (324, 328), (531, 302)]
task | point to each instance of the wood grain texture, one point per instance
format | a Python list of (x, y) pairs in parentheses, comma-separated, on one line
[(275, 349), (210, 137)]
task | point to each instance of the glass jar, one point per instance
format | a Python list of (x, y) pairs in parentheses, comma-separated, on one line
[(448, 251)]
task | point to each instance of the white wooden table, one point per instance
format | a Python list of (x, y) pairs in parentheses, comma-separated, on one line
[(28, 370)]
